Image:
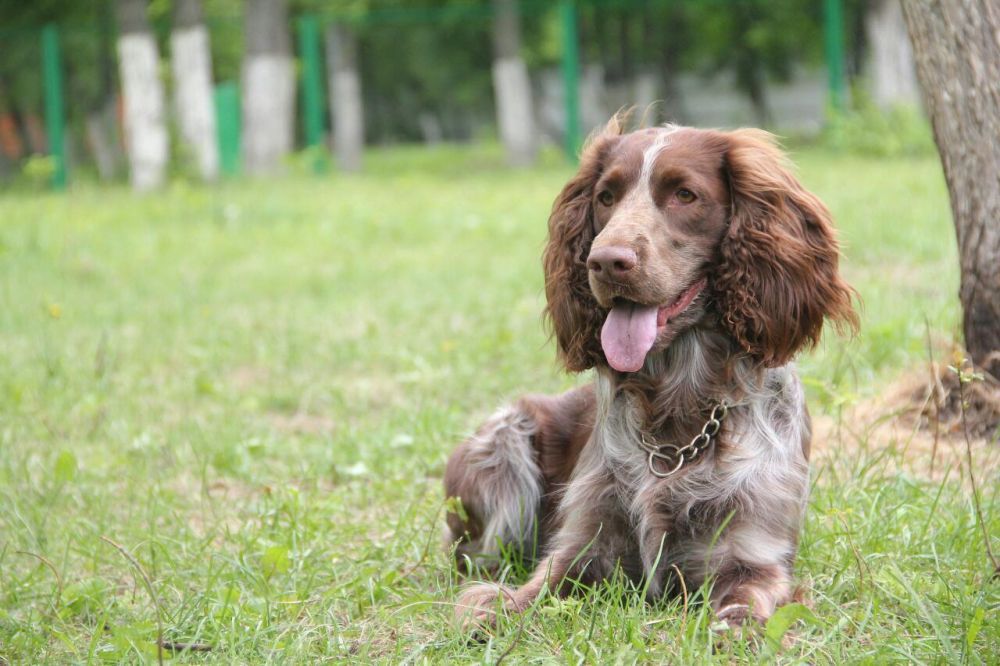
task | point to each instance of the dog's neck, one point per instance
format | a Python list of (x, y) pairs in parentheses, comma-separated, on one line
[(680, 384)]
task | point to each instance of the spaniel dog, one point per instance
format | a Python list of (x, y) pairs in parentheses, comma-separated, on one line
[(687, 267)]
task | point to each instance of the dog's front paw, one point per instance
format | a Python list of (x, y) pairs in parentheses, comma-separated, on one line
[(479, 604), (736, 615), (736, 623)]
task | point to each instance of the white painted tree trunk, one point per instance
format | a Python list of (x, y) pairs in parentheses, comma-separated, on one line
[(146, 138), (191, 58), (346, 106), (892, 69), (512, 88), (268, 112), (268, 88)]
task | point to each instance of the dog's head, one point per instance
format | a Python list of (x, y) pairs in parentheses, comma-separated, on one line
[(663, 225)]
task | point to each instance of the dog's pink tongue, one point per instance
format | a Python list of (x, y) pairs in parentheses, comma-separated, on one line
[(629, 332)]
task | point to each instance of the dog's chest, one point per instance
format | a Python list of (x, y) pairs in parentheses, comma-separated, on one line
[(724, 469), (621, 445)]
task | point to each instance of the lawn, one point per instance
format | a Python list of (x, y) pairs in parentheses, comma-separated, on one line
[(252, 391)]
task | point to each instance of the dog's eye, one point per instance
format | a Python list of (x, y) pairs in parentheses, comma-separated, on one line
[(685, 196), (606, 198)]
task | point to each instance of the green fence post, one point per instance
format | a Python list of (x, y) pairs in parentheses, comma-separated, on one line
[(227, 125), (312, 88), (833, 33), (55, 120), (571, 75)]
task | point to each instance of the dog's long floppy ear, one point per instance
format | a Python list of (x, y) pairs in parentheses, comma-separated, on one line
[(571, 309), (778, 278)]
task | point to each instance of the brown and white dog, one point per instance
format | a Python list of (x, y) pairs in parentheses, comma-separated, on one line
[(687, 267)]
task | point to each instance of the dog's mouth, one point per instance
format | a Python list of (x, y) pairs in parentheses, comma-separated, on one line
[(631, 328)]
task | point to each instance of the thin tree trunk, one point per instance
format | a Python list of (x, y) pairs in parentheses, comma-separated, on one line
[(957, 49), (512, 86), (346, 106), (146, 138), (191, 58), (102, 140), (34, 127), (11, 143), (102, 127), (890, 60), (669, 58), (268, 87), (748, 66), (626, 66), (857, 47)]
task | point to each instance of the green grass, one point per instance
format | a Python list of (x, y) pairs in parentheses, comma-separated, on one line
[(253, 390)]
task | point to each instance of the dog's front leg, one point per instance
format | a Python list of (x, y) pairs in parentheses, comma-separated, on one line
[(653, 536), (478, 604), (751, 592), (575, 554)]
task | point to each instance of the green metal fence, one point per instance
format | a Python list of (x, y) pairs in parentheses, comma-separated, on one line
[(571, 75), (833, 31), (228, 126), (313, 103), (55, 120), (313, 98)]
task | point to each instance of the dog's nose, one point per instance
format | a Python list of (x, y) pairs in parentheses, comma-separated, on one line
[(614, 261)]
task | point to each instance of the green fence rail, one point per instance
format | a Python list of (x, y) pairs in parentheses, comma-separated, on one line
[(571, 76), (55, 116), (833, 31), (313, 107), (228, 126)]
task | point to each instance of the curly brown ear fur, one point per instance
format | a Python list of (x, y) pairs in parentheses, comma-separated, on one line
[(571, 309), (778, 276)]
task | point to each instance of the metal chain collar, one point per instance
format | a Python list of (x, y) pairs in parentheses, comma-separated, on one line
[(684, 454)]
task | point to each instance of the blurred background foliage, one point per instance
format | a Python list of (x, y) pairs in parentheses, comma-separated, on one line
[(426, 72)]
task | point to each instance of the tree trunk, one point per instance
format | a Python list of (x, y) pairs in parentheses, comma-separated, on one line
[(146, 139), (346, 107), (512, 86), (748, 64), (890, 60), (191, 58), (103, 141), (102, 126), (669, 51), (626, 67), (11, 143), (957, 49), (268, 87)]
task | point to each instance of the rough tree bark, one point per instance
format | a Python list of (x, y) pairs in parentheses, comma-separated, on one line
[(512, 86), (146, 139), (268, 87), (957, 49), (191, 58), (891, 68), (346, 107)]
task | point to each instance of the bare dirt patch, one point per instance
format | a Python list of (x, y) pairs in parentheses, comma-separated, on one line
[(918, 421), (301, 423), (247, 377), (956, 399)]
